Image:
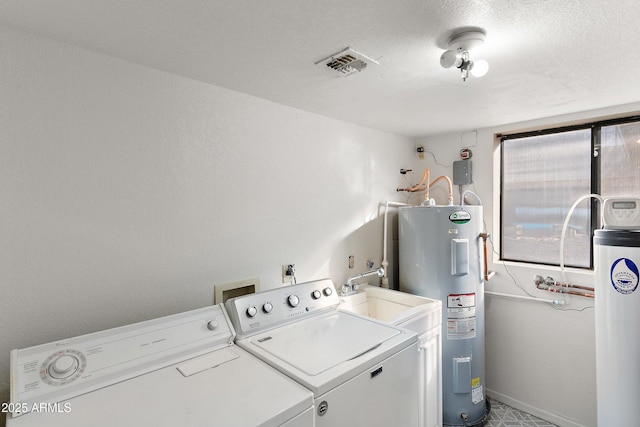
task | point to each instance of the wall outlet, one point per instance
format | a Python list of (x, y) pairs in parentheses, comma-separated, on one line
[(288, 273), (352, 261)]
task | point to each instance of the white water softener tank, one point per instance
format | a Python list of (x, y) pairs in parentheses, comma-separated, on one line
[(617, 302), (440, 258)]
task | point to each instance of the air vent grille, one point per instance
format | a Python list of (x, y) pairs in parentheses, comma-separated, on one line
[(347, 62)]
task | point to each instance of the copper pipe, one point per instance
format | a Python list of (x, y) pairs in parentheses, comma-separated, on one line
[(486, 264), (449, 184), (550, 285), (421, 186)]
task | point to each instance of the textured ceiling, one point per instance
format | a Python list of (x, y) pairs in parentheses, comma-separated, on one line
[(547, 57)]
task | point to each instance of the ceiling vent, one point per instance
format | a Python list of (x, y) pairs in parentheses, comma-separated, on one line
[(347, 61)]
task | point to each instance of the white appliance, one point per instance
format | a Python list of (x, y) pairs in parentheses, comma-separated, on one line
[(362, 372), (617, 256), (180, 370), (440, 258), (421, 315), (426, 320)]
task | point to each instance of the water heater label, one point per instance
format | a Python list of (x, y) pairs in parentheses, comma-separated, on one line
[(461, 316), (460, 217), (477, 394), (624, 276)]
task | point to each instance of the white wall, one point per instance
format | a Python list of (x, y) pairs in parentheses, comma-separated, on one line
[(127, 193), (539, 359)]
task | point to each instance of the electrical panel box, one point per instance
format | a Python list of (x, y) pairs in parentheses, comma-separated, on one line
[(462, 172)]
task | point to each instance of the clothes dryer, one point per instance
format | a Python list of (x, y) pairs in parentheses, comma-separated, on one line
[(180, 370)]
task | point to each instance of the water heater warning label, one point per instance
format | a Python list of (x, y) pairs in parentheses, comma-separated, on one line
[(477, 394), (461, 316)]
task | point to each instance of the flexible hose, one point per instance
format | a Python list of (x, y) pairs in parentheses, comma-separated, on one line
[(564, 230)]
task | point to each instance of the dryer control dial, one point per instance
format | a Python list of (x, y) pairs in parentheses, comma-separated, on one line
[(267, 307), (316, 294), (252, 311), (293, 300), (62, 367), (327, 291), (61, 370)]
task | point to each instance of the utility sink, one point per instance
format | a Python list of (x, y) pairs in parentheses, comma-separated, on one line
[(421, 315), (389, 306)]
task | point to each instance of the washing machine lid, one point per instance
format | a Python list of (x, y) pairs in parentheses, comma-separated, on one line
[(316, 346)]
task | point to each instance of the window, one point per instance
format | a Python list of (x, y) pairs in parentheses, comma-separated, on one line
[(545, 172)]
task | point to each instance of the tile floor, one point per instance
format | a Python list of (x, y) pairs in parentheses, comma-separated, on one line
[(505, 416)]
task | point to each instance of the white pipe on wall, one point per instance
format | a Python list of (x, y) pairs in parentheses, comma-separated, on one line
[(526, 298), (385, 262)]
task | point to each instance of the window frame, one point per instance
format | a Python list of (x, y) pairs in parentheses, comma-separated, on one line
[(595, 127)]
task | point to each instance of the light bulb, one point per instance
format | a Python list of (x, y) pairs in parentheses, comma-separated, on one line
[(480, 68), (448, 59)]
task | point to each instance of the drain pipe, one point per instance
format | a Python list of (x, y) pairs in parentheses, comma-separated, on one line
[(385, 262)]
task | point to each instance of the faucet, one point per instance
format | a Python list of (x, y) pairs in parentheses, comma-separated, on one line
[(351, 288)]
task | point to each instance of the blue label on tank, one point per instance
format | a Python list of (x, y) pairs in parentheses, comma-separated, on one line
[(460, 217), (624, 276)]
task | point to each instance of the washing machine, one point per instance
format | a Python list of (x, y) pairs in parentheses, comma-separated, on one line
[(180, 370), (362, 372)]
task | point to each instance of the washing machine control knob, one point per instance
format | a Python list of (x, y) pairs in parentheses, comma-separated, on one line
[(327, 291), (267, 307), (212, 325), (252, 311), (293, 300), (316, 294)]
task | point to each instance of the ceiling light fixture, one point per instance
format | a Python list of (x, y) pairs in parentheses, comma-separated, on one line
[(459, 44)]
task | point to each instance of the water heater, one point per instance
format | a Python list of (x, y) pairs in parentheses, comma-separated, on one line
[(440, 258), (617, 312)]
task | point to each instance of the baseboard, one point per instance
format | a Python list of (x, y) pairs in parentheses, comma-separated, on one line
[(547, 416)]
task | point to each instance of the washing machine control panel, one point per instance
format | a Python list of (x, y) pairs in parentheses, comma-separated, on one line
[(280, 306), (60, 370), (621, 213)]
